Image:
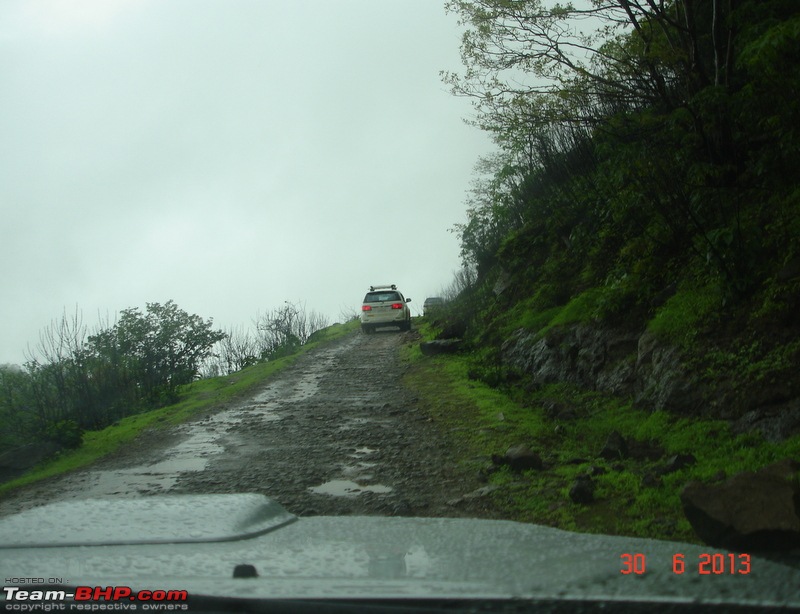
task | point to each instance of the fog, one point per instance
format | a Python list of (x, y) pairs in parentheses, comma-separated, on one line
[(227, 156)]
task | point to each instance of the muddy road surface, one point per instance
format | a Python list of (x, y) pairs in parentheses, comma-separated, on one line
[(335, 433)]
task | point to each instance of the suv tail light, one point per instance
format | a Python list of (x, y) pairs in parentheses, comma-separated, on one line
[(397, 305), (366, 308)]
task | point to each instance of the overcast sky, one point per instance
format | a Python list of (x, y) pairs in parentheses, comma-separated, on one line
[(229, 156)]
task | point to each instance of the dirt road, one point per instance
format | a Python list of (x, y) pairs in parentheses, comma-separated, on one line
[(335, 433)]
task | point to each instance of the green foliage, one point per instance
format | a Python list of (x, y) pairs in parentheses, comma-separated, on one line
[(753, 362), (678, 321), (66, 433), (199, 396), (662, 147), (75, 383), (525, 314), (481, 421), (158, 350), (582, 308), (17, 420)]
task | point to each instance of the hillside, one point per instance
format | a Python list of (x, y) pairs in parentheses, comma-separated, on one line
[(638, 229), (632, 249)]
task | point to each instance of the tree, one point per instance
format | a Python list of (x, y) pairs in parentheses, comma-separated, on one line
[(17, 418), (160, 349), (284, 329), (668, 98), (562, 62)]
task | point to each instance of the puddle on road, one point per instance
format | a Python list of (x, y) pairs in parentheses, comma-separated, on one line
[(202, 443), (355, 485), (346, 488), (192, 454)]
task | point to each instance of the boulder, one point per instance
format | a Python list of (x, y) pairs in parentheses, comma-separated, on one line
[(582, 490), (615, 447), (519, 458), (755, 510)]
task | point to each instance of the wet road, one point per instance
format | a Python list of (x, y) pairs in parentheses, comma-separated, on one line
[(334, 433)]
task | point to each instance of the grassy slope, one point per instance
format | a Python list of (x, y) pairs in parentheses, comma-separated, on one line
[(201, 396), (485, 421)]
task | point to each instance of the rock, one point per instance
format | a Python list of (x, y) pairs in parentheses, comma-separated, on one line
[(519, 458), (663, 381), (582, 490), (615, 360), (503, 281), (440, 346), (750, 511), (775, 422), (453, 330), (644, 450), (615, 447)]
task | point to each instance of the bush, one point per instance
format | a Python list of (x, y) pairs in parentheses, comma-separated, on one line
[(66, 433)]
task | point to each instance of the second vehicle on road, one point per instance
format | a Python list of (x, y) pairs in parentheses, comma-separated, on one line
[(385, 306)]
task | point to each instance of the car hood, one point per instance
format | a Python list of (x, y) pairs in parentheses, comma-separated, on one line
[(194, 543)]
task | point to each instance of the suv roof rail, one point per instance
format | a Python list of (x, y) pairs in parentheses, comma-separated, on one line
[(383, 287)]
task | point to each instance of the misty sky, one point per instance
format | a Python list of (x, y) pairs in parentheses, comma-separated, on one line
[(226, 155)]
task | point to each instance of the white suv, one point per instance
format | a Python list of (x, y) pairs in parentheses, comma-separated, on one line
[(385, 306)]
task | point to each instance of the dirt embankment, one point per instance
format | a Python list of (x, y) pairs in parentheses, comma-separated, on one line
[(336, 433)]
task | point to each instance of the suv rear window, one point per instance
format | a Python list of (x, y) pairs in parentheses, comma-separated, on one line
[(377, 297)]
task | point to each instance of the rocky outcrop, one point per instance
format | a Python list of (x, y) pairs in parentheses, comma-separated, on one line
[(641, 366), (775, 422), (617, 361), (750, 511)]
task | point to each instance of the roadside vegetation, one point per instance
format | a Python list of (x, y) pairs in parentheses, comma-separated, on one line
[(90, 390), (641, 189), (191, 400), (568, 427), (642, 181)]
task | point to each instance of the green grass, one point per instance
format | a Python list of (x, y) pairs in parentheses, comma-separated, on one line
[(202, 395), (677, 320), (483, 421), (526, 314)]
